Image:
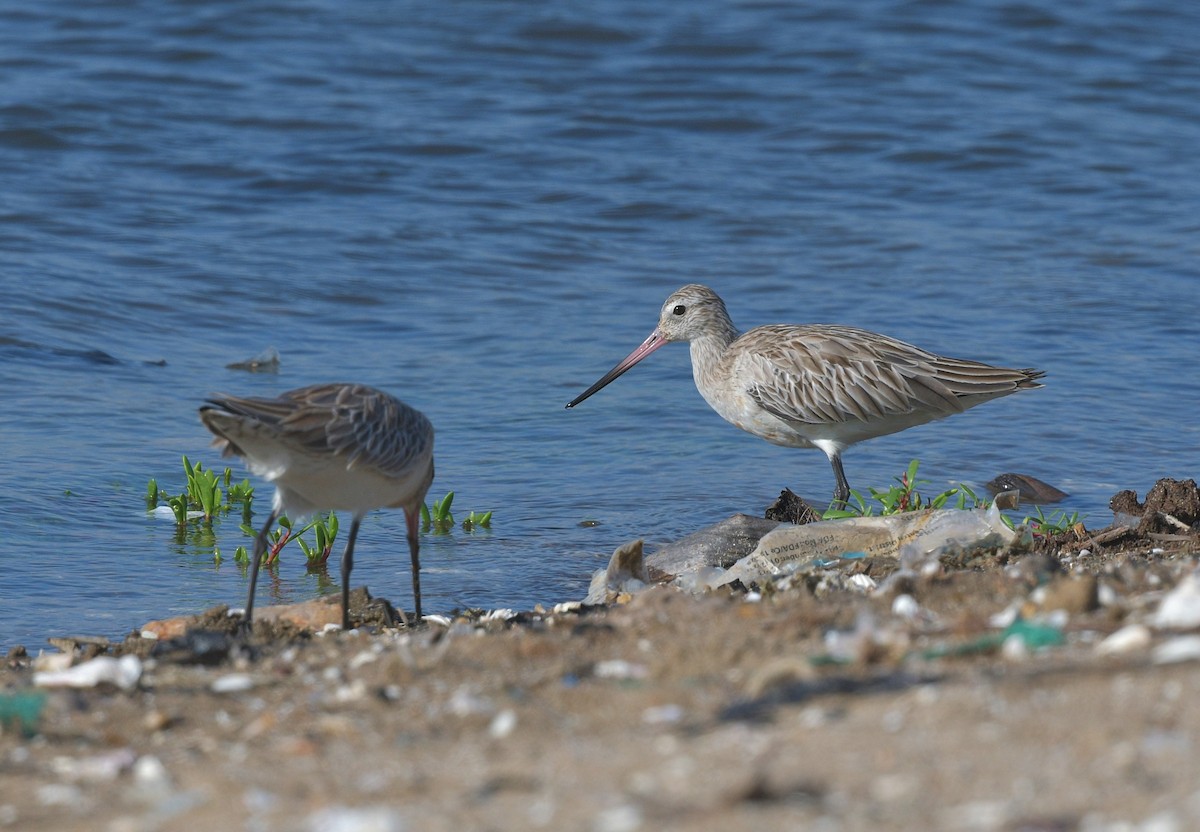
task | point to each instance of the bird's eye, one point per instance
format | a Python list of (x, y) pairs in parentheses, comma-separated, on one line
[(679, 310)]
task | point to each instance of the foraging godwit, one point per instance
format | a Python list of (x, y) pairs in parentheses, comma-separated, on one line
[(816, 386), (330, 447)]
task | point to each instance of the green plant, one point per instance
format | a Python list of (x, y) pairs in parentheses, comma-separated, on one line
[(325, 529), (904, 497), (439, 518), (205, 493), (203, 489), (276, 539), (473, 521), (1058, 522)]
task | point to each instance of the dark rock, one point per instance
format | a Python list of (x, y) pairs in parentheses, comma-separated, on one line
[(1126, 502), (195, 647), (1031, 489), (791, 508), (721, 544), (1171, 507), (1178, 498)]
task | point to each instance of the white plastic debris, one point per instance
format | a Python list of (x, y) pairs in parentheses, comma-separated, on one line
[(99, 768), (1180, 608), (626, 573), (701, 580), (168, 513), (1125, 640), (790, 548), (123, 673), (862, 582)]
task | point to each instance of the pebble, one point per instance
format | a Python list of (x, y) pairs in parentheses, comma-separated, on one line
[(619, 669), (366, 656), (662, 715), (977, 816), (1178, 649), (151, 776), (1014, 649), (1003, 619), (356, 819), (356, 691), (503, 724), (1072, 595), (463, 702), (623, 818), (60, 794), (232, 683), (906, 607), (1106, 595)]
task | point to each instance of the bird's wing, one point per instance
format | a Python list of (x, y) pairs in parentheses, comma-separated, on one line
[(828, 374), (367, 426)]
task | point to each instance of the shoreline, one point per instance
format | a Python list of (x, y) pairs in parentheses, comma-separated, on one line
[(1031, 691)]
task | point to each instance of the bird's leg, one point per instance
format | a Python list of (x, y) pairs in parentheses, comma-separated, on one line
[(842, 492), (260, 546), (347, 565), (414, 548)]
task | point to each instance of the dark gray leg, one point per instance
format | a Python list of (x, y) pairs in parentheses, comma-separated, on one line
[(260, 546), (412, 518), (842, 492), (347, 564)]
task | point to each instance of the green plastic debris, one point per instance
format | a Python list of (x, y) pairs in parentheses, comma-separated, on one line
[(22, 709), (1035, 635)]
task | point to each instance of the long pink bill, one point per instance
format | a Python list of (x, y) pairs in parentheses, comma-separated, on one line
[(648, 346)]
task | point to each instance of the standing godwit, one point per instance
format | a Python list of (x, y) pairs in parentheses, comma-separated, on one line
[(330, 447), (816, 386)]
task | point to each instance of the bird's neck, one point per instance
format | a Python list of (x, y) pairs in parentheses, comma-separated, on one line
[(708, 350)]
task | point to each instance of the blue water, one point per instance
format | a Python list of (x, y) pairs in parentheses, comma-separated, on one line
[(481, 206)]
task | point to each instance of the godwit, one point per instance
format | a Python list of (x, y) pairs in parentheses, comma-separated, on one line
[(330, 447), (816, 386)]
